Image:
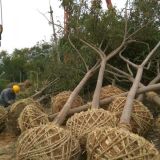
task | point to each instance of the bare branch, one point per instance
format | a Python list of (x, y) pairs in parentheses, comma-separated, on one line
[(155, 80), (115, 74), (78, 52), (150, 54), (119, 71), (121, 80), (106, 47), (130, 71), (148, 66), (100, 46), (126, 114), (101, 54), (126, 21), (127, 61), (158, 67), (134, 33), (44, 16)]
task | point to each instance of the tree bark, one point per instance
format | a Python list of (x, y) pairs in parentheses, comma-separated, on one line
[(127, 111), (63, 113), (95, 101), (109, 100)]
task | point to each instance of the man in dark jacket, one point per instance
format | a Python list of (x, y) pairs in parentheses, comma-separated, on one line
[(8, 95)]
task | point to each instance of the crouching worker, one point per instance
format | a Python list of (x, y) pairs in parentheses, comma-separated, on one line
[(8, 95)]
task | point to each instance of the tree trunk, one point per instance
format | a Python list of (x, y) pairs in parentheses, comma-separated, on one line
[(109, 100), (109, 4), (95, 101), (127, 111), (63, 113)]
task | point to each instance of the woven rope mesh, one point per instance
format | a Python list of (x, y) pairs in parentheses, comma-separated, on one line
[(47, 142), (58, 101), (109, 90), (141, 118), (30, 117), (22, 103), (15, 110), (118, 144), (83, 123)]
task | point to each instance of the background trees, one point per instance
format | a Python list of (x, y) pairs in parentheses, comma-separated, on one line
[(103, 29)]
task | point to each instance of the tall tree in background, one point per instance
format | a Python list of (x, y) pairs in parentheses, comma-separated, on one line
[(67, 5), (109, 4)]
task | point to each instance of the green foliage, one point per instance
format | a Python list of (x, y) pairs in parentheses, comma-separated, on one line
[(103, 29)]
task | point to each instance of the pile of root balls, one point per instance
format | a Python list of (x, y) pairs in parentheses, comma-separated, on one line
[(93, 134)]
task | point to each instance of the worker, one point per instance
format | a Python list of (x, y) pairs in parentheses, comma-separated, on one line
[(24, 85), (8, 95)]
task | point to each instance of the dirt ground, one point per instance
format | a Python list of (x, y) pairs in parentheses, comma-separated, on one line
[(7, 146)]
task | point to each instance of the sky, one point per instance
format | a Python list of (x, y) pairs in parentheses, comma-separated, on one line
[(24, 26)]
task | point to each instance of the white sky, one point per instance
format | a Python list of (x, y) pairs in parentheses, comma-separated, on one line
[(24, 26)]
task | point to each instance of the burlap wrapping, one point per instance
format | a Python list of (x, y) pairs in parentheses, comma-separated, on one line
[(141, 118), (81, 124), (47, 142), (118, 144), (58, 101), (14, 112), (30, 117)]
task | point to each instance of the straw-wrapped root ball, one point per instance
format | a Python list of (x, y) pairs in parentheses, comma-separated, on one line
[(47, 142), (119, 144), (141, 118), (15, 110), (108, 91), (58, 101), (30, 117), (81, 124), (3, 116), (157, 122)]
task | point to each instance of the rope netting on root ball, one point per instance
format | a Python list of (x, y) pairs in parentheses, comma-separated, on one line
[(157, 123), (3, 116), (15, 110), (108, 91), (118, 144), (30, 117), (141, 118), (80, 124), (58, 101), (47, 142)]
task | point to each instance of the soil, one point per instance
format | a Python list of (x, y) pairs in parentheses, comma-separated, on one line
[(7, 146)]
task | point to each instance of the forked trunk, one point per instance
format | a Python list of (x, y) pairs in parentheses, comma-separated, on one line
[(127, 111)]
